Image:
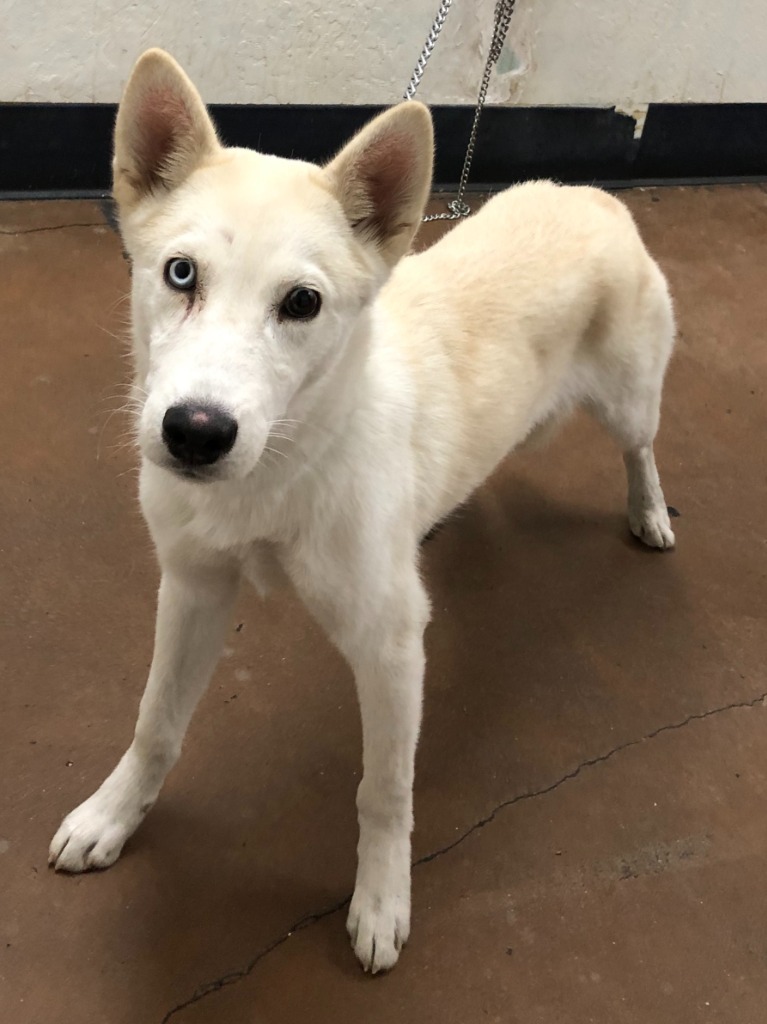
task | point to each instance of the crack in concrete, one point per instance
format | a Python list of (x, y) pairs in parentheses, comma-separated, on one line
[(52, 227), (233, 977), (590, 763)]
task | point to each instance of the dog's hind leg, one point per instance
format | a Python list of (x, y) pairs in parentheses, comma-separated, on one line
[(648, 513), (625, 396), (193, 610)]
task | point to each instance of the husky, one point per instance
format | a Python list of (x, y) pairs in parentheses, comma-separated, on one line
[(312, 400)]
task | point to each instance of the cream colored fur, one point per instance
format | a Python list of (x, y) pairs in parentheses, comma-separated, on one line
[(358, 429)]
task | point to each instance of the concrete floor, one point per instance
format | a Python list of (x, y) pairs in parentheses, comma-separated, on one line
[(592, 780)]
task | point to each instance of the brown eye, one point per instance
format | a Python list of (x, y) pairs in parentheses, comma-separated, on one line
[(301, 304), (180, 274)]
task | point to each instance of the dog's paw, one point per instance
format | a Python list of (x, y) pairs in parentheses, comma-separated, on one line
[(378, 927), (91, 837), (653, 527)]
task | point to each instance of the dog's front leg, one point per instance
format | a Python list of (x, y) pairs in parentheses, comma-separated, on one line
[(193, 610), (389, 678), (377, 619)]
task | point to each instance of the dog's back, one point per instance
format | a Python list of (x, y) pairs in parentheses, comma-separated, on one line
[(544, 300)]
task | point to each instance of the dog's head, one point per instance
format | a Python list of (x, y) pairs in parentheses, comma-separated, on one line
[(250, 272)]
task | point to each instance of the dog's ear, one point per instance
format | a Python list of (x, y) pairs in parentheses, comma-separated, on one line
[(162, 131), (383, 176)]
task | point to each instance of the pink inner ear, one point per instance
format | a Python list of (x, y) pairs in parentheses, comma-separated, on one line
[(163, 120), (387, 167)]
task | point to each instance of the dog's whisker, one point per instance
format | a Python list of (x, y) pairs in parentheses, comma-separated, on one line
[(303, 424), (107, 421), (275, 451), (128, 472), (125, 297), (122, 338)]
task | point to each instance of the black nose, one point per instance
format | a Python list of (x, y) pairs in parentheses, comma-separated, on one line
[(198, 435)]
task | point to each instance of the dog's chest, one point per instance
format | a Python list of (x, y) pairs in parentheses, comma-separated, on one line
[(238, 519)]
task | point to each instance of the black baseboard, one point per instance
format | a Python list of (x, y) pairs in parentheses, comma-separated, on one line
[(63, 148)]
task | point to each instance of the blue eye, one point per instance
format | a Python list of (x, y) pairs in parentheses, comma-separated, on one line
[(181, 274)]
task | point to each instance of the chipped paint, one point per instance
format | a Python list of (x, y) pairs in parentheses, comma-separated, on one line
[(637, 113)]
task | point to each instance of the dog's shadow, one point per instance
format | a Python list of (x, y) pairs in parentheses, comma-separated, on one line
[(555, 635)]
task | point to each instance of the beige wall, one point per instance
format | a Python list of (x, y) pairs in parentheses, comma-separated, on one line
[(587, 52)]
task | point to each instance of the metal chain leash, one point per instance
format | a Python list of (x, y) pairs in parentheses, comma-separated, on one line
[(503, 11), (428, 46)]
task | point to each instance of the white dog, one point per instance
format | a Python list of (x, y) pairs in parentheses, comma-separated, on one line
[(311, 403)]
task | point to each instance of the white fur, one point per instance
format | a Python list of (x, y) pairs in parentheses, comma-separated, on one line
[(358, 430)]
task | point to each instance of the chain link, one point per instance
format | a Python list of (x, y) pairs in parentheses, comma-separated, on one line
[(503, 11), (428, 47)]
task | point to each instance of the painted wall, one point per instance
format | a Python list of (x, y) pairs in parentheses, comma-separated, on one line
[(588, 52)]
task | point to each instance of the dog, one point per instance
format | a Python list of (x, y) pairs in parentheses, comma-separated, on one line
[(312, 400)]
